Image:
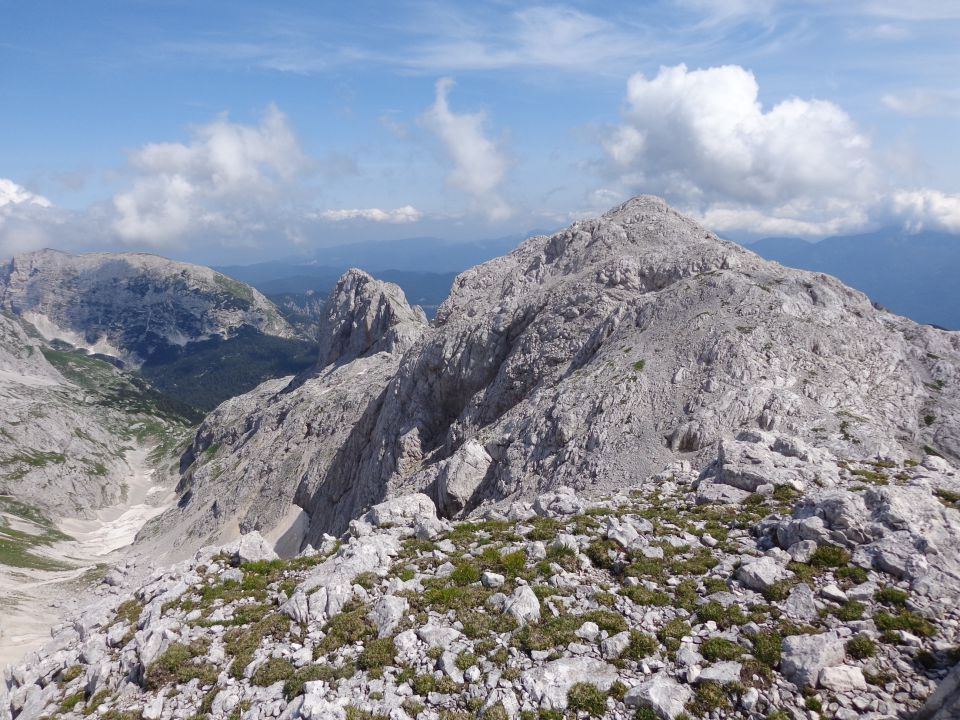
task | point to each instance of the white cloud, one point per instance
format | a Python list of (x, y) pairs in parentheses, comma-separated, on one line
[(223, 178), (703, 139), (713, 13), (915, 10), (13, 194), (405, 214), (924, 102), (552, 37), (23, 215), (926, 208), (479, 164)]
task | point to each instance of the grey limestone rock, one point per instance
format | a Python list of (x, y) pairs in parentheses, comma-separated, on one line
[(804, 656), (588, 360), (549, 683), (662, 694)]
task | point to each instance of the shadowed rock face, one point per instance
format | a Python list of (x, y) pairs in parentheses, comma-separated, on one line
[(259, 454), (130, 305), (592, 358)]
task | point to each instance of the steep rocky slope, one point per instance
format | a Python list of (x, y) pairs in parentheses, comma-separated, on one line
[(289, 433), (593, 358), (67, 419), (645, 604)]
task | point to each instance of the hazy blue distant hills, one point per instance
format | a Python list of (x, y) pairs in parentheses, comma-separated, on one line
[(916, 275), (424, 267), (424, 254)]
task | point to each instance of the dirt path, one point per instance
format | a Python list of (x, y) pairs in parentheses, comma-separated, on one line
[(32, 601)]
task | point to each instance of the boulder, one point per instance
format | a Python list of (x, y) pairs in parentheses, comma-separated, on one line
[(386, 612), (804, 656), (523, 605), (842, 678), (459, 476), (548, 684), (662, 694), (251, 547), (402, 511), (762, 574)]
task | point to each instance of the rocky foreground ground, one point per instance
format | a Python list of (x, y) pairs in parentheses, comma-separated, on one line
[(774, 584)]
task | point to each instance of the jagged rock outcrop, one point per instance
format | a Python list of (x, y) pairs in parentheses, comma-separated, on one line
[(262, 458), (600, 355), (364, 317), (132, 306)]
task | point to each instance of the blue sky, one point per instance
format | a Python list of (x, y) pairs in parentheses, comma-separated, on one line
[(233, 131)]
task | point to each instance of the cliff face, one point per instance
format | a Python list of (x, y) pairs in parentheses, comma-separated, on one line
[(591, 358), (131, 306), (261, 455)]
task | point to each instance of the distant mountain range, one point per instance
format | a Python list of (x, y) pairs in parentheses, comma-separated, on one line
[(423, 267), (911, 274), (916, 275)]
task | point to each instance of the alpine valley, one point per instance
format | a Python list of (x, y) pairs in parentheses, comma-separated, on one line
[(628, 470)]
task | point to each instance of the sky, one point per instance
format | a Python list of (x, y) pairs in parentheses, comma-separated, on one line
[(236, 131)]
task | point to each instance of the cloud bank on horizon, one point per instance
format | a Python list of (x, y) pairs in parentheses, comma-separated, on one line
[(467, 121)]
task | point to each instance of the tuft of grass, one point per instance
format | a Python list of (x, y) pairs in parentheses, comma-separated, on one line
[(272, 671), (708, 698), (724, 617), (377, 654), (894, 597), (716, 648), (851, 610), (948, 497), (830, 556), (861, 647), (177, 665), (641, 646), (905, 620), (588, 698), (639, 365), (767, 647)]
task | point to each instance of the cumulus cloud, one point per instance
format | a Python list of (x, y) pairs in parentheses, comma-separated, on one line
[(479, 164), (221, 180), (703, 139), (405, 214), (926, 208), (12, 194), (22, 217)]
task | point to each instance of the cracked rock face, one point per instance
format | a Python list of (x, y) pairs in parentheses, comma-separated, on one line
[(130, 305), (259, 455), (590, 358)]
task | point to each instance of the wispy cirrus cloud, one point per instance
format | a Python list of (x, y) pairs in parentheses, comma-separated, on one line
[(924, 102)]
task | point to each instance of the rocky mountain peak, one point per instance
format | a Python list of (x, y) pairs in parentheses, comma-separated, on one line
[(131, 305), (364, 316), (592, 357)]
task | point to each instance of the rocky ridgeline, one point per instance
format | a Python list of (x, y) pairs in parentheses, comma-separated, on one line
[(589, 359), (754, 589)]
